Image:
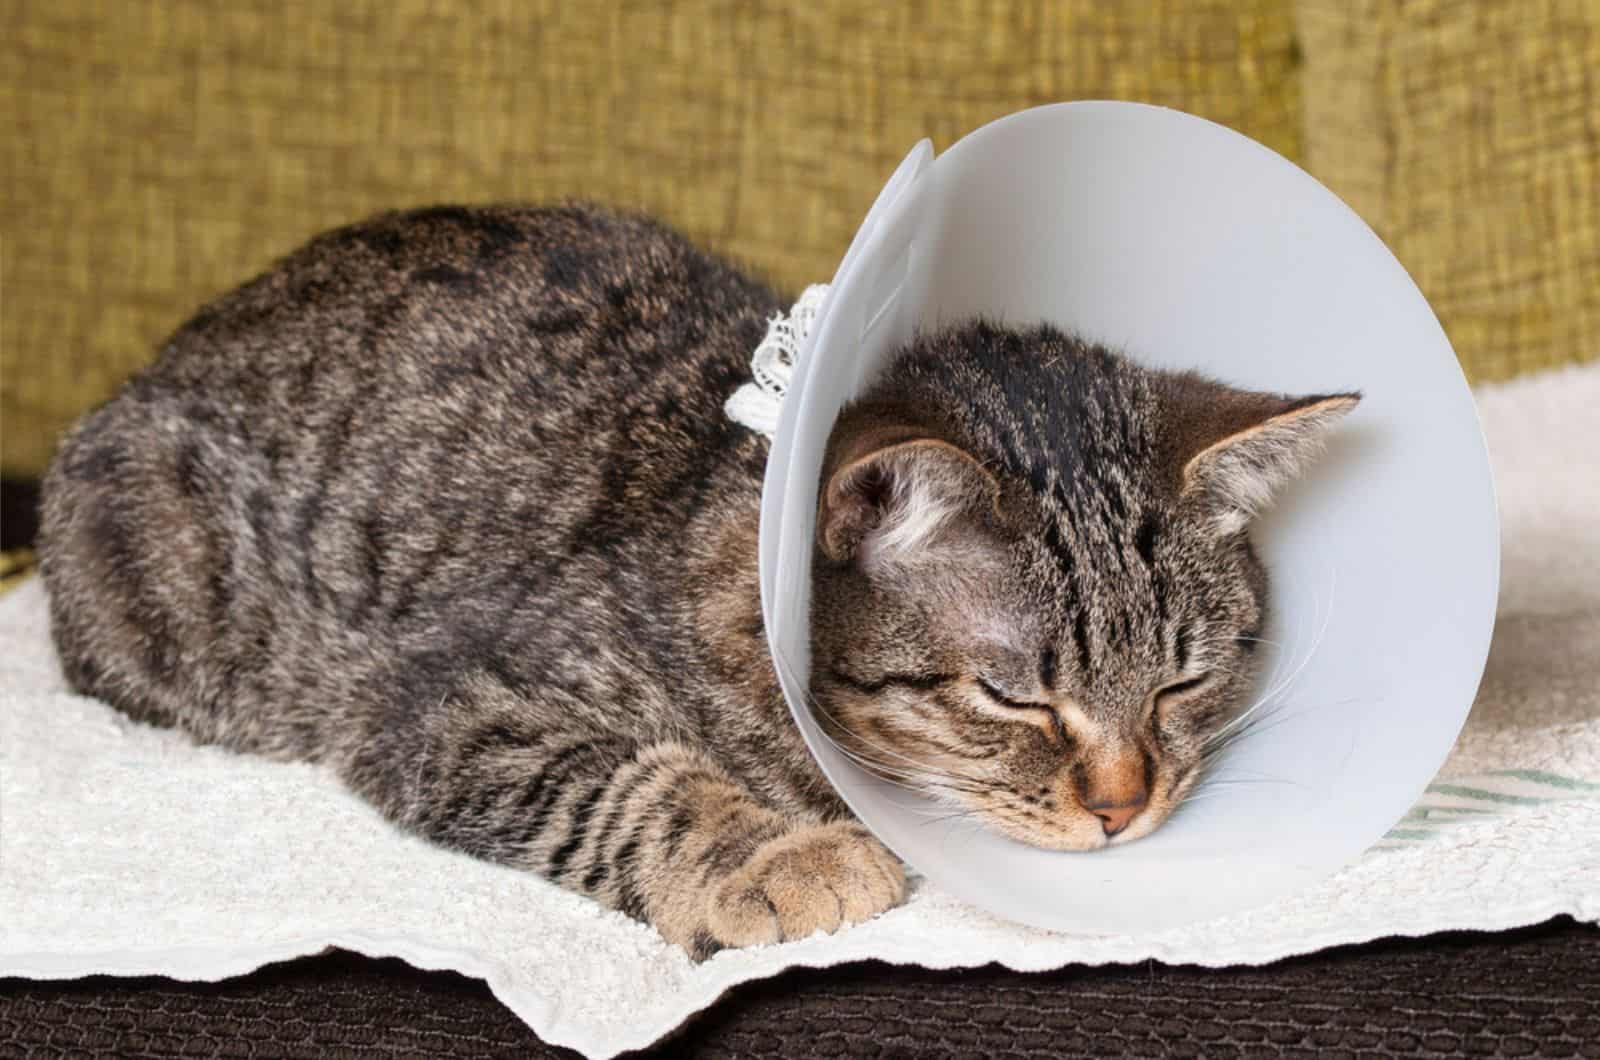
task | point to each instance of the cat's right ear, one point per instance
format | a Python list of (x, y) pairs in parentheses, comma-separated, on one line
[(890, 495), (1238, 448)]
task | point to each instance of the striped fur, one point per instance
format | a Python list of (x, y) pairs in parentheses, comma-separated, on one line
[(446, 502), (1059, 652)]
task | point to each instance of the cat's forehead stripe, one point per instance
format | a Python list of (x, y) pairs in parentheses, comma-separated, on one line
[(1080, 639)]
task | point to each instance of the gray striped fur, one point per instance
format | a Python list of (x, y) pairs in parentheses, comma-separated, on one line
[(446, 501)]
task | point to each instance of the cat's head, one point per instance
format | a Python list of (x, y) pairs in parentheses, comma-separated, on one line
[(1035, 595)]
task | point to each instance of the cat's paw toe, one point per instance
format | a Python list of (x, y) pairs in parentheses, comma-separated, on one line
[(814, 879)]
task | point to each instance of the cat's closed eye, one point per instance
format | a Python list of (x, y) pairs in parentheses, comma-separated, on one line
[(1177, 691), (997, 693)]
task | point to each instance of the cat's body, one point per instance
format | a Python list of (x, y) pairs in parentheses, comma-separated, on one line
[(448, 502)]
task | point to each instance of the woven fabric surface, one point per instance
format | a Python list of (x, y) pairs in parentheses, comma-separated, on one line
[(154, 154), (1529, 993), (1468, 135)]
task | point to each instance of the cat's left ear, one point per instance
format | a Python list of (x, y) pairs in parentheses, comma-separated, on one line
[(1261, 442), (889, 493)]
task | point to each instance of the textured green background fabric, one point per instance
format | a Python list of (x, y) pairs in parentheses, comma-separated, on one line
[(1467, 133), (158, 153), (153, 154)]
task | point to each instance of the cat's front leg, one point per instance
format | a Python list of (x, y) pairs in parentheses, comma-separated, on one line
[(710, 866), (661, 832), (817, 877)]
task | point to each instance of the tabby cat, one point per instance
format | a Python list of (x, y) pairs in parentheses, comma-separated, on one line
[(447, 501)]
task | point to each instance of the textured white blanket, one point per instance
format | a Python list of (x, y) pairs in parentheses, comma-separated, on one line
[(126, 850)]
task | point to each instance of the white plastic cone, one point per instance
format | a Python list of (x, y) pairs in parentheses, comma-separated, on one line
[(1186, 245)]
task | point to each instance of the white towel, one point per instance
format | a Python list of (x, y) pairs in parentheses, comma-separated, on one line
[(126, 850)]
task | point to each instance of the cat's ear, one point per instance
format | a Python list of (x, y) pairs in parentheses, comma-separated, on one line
[(889, 494), (1240, 447)]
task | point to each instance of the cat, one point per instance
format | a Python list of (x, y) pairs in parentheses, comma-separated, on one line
[(447, 501)]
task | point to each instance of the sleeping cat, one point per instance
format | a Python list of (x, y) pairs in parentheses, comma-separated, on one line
[(448, 502)]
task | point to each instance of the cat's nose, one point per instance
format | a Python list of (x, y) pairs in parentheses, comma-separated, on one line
[(1116, 790), (1114, 819)]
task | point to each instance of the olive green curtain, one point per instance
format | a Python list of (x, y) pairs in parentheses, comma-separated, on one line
[(154, 154)]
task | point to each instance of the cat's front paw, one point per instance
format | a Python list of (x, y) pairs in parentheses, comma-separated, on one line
[(807, 880)]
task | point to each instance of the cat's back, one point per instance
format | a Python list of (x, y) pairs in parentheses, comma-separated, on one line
[(430, 421), (570, 302)]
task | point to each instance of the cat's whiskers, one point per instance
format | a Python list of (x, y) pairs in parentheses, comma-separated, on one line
[(956, 815), (886, 770), (1226, 734), (1223, 734), (818, 708), (1321, 634), (1291, 651), (1238, 782), (883, 771), (1007, 800), (920, 783), (1264, 723), (921, 771), (1258, 640), (1209, 783), (1014, 810)]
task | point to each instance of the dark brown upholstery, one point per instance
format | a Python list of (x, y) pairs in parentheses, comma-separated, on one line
[(1534, 992)]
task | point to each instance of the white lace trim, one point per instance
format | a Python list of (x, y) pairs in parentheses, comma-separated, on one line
[(757, 403)]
